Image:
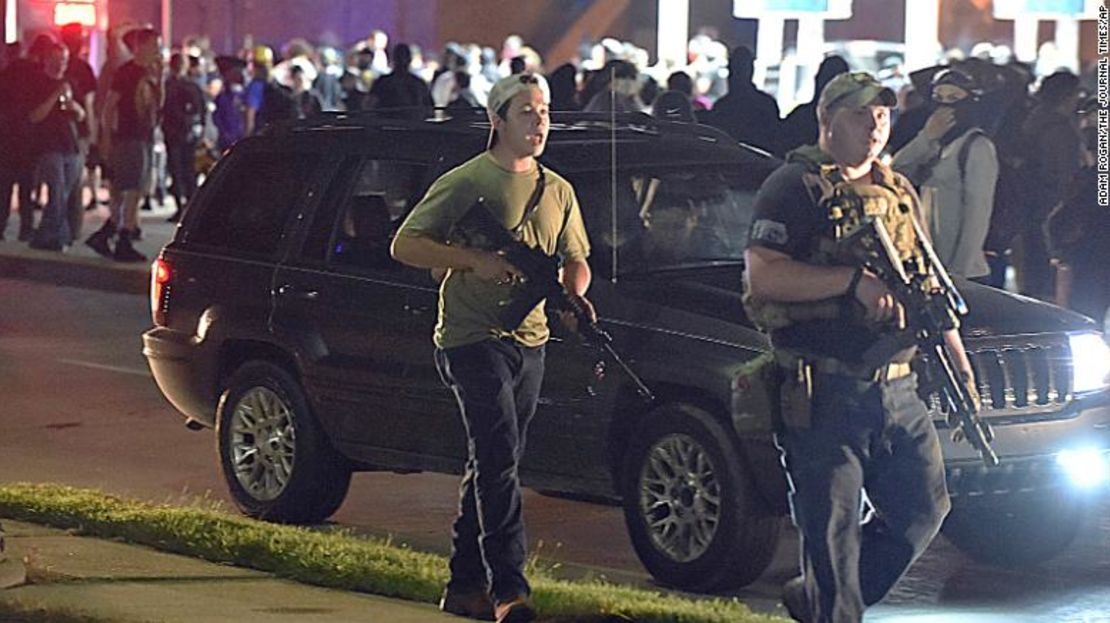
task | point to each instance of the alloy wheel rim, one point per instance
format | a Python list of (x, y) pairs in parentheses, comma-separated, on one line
[(680, 497), (263, 443)]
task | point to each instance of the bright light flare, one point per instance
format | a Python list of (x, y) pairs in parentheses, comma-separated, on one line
[(1086, 468)]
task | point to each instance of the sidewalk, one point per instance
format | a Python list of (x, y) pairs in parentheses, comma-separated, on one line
[(79, 265), (110, 581)]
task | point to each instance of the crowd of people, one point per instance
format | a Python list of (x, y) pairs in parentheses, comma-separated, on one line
[(993, 158)]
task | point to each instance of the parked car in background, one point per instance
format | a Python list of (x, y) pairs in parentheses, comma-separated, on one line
[(282, 322)]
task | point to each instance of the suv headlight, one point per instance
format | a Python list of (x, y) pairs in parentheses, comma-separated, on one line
[(1090, 358)]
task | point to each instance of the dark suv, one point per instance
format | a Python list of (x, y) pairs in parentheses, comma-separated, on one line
[(282, 322)]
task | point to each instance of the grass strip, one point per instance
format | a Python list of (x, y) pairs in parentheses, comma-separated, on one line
[(335, 559)]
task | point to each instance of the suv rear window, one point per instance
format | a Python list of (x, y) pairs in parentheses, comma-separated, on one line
[(247, 211)]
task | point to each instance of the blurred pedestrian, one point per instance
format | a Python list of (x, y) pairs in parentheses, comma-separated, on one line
[(1052, 158), (54, 116), (746, 113), (131, 113), (800, 126), (400, 92), (619, 91), (229, 117), (673, 106), (953, 164), (182, 128), (82, 80), (564, 88), (1077, 231), (18, 153), (267, 100)]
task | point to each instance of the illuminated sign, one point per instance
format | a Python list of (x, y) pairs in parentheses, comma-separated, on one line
[(83, 13), (828, 9), (1045, 9)]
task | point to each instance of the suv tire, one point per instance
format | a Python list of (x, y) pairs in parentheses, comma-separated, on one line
[(694, 518), (1017, 534), (293, 475)]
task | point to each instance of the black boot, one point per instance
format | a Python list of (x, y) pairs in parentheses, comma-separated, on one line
[(101, 238), (125, 252)]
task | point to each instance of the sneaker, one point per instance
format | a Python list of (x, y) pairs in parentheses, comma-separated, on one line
[(137, 233), (175, 217), (99, 242), (517, 610), (146, 206), (474, 604), (794, 598), (125, 252)]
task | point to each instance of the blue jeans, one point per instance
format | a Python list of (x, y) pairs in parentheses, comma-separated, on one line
[(864, 436), (60, 172), (497, 385)]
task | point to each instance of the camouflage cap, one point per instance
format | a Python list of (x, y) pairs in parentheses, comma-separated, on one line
[(855, 89)]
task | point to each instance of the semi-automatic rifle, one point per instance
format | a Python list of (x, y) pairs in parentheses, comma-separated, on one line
[(932, 306), (478, 228)]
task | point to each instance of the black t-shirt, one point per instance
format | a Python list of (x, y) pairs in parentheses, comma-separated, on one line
[(82, 81), (787, 219), (183, 110), (57, 133), (125, 82)]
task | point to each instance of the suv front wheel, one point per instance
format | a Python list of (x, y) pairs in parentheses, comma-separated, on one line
[(278, 463), (694, 517)]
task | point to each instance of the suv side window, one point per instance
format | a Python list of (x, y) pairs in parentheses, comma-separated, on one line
[(247, 212), (362, 208)]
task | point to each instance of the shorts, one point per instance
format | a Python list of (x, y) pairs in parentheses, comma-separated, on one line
[(130, 163)]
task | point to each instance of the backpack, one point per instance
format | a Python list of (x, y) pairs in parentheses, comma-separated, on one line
[(278, 103)]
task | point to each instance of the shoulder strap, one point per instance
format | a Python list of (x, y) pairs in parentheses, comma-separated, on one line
[(534, 202), (965, 150)]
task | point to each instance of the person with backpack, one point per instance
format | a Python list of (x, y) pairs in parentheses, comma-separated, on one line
[(953, 163), (268, 101)]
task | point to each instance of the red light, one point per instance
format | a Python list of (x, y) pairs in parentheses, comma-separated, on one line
[(160, 275), (161, 271)]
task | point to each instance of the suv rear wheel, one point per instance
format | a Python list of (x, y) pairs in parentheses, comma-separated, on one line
[(694, 517), (277, 461), (1018, 533)]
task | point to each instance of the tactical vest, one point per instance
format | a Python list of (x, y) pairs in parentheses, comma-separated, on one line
[(845, 205)]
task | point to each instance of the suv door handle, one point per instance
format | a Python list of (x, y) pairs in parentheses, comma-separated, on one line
[(288, 290)]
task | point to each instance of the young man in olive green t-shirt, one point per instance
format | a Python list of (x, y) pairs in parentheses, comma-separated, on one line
[(495, 370)]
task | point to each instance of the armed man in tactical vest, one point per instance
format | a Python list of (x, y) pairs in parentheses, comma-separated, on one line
[(850, 419)]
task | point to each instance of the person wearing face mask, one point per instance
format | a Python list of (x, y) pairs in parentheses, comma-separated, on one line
[(953, 164)]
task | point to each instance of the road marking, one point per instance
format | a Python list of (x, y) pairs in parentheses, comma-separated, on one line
[(101, 366)]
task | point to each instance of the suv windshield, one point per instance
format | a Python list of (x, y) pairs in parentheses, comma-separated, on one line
[(665, 219)]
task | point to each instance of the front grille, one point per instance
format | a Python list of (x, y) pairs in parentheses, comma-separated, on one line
[(1019, 375)]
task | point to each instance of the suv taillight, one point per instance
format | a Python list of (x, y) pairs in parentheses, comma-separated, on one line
[(160, 275)]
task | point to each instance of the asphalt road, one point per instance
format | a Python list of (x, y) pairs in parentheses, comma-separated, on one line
[(79, 408)]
